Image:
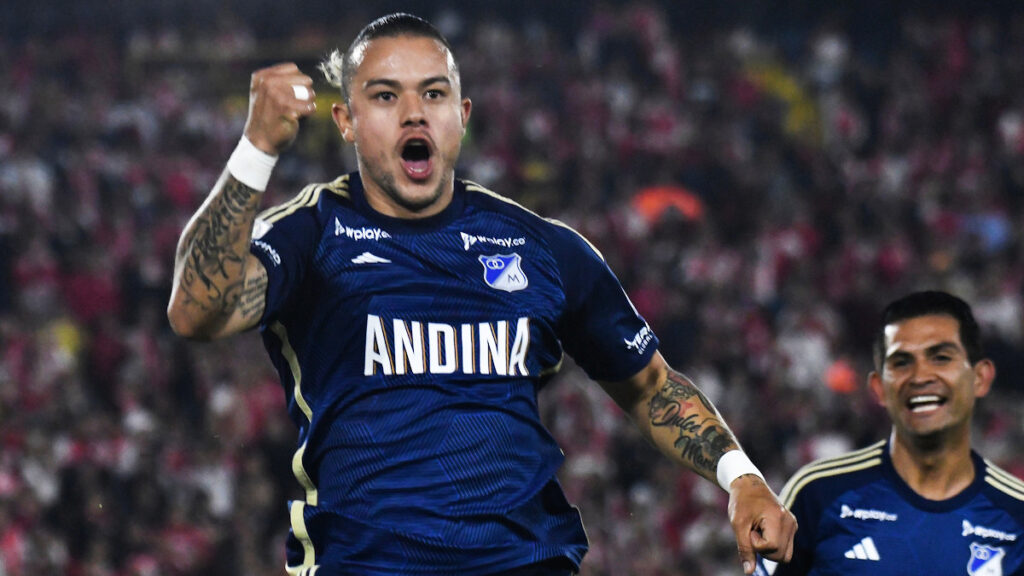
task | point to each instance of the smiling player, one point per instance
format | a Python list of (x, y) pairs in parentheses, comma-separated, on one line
[(922, 502)]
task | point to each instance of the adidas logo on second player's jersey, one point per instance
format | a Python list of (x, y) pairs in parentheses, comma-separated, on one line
[(864, 550)]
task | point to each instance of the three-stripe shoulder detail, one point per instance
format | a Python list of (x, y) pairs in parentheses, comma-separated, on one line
[(474, 187), (1003, 481), (309, 196), (853, 462)]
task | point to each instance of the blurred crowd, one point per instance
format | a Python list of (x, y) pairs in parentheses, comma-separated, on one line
[(761, 192)]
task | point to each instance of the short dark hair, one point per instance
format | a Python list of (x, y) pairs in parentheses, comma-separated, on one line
[(339, 67), (929, 302)]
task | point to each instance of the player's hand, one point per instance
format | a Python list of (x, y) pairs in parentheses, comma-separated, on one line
[(275, 106), (761, 524)]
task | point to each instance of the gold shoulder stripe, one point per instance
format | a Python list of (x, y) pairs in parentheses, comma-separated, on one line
[(1004, 481), (1001, 485), (339, 186), (309, 196), (797, 483), (871, 451), (301, 199), (582, 237), (827, 464), (311, 199), (474, 187), (998, 472)]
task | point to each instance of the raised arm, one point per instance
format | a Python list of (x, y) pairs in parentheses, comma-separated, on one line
[(219, 288), (684, 425)]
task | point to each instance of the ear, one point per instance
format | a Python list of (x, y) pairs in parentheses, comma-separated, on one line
[(984, 374), (343, 120), (876, 387), (467, 107)]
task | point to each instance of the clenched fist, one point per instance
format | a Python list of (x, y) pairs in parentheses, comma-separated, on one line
[(275, 106)]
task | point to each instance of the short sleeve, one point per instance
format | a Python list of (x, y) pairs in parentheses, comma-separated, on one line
[(601, 329), (284, 242)]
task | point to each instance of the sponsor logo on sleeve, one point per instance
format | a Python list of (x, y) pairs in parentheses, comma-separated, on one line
[(269, 250), (640, 340)]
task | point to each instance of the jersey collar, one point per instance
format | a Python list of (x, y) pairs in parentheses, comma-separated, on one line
[(923, 503)]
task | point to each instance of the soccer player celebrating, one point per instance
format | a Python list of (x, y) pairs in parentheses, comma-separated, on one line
[(922, 502), (413, 316)]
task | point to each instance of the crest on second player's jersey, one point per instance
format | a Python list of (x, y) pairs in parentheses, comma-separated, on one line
[(504, 272), (985, 560)]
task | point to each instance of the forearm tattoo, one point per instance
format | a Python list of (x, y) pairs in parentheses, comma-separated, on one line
[(702, 437), (216, 248)]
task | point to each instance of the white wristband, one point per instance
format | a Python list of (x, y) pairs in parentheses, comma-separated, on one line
[(732, 465), (250, 165)]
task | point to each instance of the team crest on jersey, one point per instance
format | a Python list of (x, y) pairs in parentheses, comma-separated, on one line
[(504, 272), (985, 560)]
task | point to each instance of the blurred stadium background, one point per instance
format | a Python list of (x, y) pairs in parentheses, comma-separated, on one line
[(762, 176)]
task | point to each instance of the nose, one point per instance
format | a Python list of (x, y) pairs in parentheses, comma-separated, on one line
[(922, 374), (412, 112)]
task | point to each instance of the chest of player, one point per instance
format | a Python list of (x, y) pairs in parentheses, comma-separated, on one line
[(461, 270), (460, 300), (858, 537)]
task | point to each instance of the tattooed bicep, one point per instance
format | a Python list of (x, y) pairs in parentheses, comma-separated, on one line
[(254, 293), (247, 298)]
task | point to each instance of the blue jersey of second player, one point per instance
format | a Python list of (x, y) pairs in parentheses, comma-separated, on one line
[(857, 516), (411, 353)]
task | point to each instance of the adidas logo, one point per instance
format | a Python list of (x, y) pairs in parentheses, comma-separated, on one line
[(864, 550), (367, 258)]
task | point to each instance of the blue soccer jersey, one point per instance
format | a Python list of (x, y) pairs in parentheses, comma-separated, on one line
[(411, 352), (857, 516)]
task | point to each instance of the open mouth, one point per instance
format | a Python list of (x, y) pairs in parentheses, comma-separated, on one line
[(416, 158), (925, 403)]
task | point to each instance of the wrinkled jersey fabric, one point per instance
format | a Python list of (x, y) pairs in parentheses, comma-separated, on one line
[(411, 353)]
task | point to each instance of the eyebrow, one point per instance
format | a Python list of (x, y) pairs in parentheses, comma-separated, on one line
[(929, 351), (395, 84)]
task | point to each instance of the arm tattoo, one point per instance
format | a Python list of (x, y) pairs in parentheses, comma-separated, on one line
[(252, 297), (702, 436), (216, 249)]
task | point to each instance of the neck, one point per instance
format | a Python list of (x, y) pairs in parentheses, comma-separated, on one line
[(405, 200), (935, 468)]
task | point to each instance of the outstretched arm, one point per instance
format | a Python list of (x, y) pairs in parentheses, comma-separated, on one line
[(680, 420), (219, 288)]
